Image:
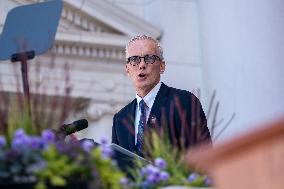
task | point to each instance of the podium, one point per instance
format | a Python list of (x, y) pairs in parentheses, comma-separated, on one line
[(251, 161)]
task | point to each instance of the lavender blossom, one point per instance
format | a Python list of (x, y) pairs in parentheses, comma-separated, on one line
[(48, 136), (152, 174), (160, 163), (123, 181), (143, 171), (192, 177), (2, 141), (36, 143), (20, 139), (104, 141), (16, 143), (152, 178), (150, 169), (146, 184), (208, 181), (164, 176), (87, 145), (19, 143), (106, 151), (19, 133)]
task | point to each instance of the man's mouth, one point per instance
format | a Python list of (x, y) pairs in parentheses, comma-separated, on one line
[(142, 75)]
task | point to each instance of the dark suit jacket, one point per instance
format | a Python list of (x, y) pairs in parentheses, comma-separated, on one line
[(178, 110)]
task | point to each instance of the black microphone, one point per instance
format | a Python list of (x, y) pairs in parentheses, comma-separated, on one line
[(78, 125)]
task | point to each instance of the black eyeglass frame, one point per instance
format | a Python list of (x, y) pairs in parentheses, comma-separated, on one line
[(140, 57)]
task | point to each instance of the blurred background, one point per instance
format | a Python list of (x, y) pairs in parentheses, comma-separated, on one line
[(231, 51)]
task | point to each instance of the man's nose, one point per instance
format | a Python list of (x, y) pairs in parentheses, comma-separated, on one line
[(142, 64)]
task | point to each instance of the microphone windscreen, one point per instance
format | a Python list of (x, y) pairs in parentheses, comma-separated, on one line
[(81, 124)]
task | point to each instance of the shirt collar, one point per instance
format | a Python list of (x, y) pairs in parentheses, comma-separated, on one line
[(150, 97)]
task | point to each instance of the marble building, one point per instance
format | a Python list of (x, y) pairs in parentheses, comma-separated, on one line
[(233, 47)]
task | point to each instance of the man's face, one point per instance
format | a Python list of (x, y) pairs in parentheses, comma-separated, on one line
[(144, 76)]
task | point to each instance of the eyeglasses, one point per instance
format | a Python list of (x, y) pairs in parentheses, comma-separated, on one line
[(148, 59)]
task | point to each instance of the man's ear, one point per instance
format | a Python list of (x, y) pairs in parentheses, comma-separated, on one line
[(126, 69), (162, 67)]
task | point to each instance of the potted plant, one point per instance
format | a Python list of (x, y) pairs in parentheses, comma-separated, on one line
[(42, 162), (167, 169)]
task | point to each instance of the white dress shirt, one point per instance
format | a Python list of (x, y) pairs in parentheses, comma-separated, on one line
[(149, 100)]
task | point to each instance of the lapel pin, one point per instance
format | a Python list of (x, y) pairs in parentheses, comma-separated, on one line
[(153, 120)]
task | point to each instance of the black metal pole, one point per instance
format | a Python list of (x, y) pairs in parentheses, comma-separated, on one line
[(23, 58), (26, 87)]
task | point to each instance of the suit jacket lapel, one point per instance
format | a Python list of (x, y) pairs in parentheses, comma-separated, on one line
[(155, 114), (131, 122)]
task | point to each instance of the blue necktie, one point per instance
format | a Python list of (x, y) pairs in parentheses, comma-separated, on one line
[(141, 126)]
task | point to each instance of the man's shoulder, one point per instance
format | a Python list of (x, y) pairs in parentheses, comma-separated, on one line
[(126, 109), (179, 92), (182, 95)]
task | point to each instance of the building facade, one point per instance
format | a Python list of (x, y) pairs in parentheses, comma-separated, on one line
[(233, 47)]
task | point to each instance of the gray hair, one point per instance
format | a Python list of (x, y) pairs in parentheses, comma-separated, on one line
[(159, 49)]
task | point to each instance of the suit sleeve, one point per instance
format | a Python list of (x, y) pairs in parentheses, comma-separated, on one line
[(199, 118), (191, 120), (114, 137)]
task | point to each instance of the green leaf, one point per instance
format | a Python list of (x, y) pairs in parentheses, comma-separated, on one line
[(57, 181), (40, 185)]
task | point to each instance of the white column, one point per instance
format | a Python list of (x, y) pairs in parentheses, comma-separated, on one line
[(243, 55)]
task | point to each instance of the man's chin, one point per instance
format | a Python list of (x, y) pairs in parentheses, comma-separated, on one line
[(141, 84), (141, 87), (144, 87)]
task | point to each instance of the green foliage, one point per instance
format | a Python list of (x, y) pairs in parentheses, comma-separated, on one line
[(157, 145), (110, 175), (57, 168), (91, 168), (18, 118)]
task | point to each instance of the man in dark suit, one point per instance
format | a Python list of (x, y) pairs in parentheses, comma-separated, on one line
[(156, 105)]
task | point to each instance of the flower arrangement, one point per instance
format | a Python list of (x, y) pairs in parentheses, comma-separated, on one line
[(46, 162), (167, 168)]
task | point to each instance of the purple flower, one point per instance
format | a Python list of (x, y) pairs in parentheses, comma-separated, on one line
[(19, 133), (192, 177), (104, 141), (152, 174), (48, 136), (152, 178), (208, 181), (36, 143), (20, 139), (123, 181), (17, 143), (143, 171), (150, 169), (87, 145), (164, 176), (145, 184), (160, 163), (106, 151), (2, 141)]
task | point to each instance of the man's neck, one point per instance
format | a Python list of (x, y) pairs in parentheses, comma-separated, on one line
[(144, 91)]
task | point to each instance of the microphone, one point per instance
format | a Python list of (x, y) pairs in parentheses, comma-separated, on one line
[(78, 125)]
